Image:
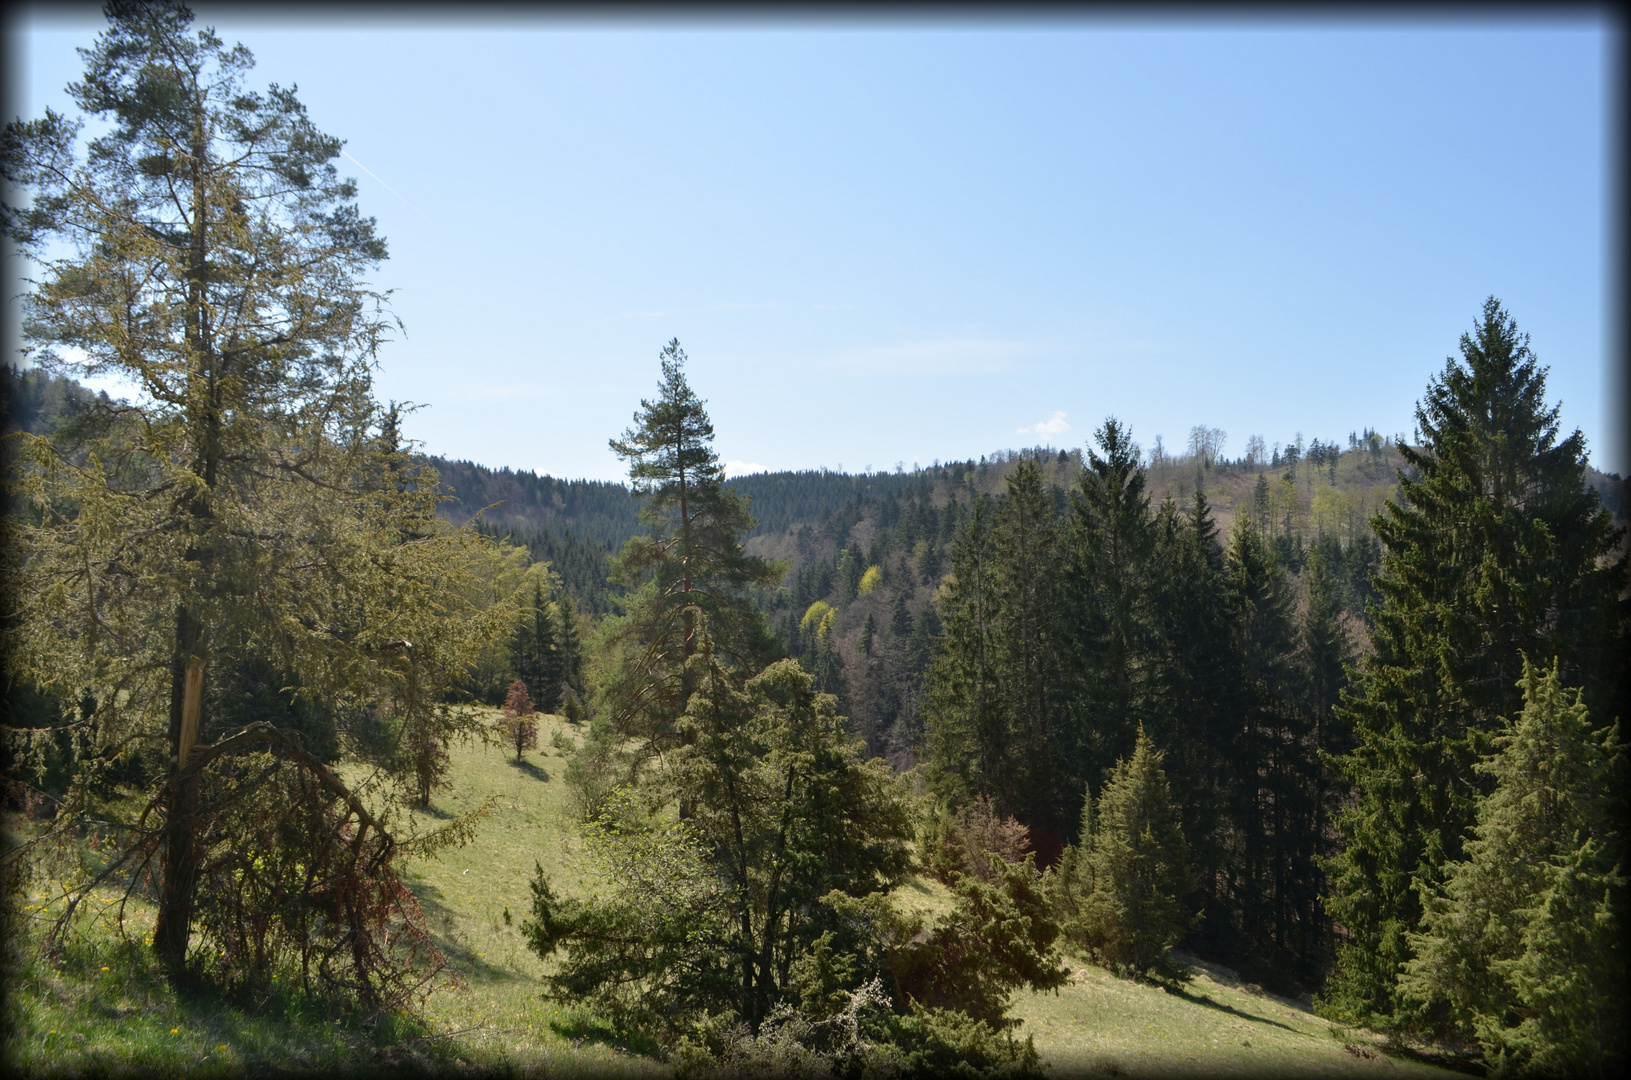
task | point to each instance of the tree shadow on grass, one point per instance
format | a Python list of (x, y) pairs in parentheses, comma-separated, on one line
[(534, 771), (441, 919), (588, 1029), (1202, 999)]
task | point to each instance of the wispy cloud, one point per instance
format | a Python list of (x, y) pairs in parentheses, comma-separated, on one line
[(743, 468), (1053, 425)]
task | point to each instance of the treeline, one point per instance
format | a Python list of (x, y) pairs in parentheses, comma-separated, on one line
[(859, 613), (593, 509), (38, 401), (783, 499)]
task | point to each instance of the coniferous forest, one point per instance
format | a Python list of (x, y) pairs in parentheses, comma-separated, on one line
[(1340, 717)]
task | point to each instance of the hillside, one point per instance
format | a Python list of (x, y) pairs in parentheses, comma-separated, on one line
[(105, 1007)]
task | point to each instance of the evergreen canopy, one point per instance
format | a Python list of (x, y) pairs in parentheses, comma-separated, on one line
[(1496, 550)]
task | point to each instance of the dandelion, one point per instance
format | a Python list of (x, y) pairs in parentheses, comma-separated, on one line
[(175, 1031), (104, 967)]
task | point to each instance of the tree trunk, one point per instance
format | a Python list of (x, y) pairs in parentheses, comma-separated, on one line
[(180, 860)]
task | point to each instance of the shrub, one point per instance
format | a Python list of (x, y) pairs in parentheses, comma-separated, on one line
[(974, 841)]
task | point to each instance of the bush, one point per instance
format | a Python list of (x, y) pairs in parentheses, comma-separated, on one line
[(973, 842)]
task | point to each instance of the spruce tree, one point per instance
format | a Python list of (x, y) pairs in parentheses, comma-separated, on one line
[(965, 730), (996, 727), (1110, 636), (569, 642), (1523, 944), (1495, 550), (535, 652), (1197, 692), (1136, 868), (1272, 775), (1027, 589)]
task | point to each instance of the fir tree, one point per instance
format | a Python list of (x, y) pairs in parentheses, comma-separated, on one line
[(966, 738), (1272, 773), (900, 618), (1110, 636), (1027, 593), (1197, 687), (535, 653), (1495, 550), (1524, 944), (1135, 868), (996, 728), (569, 642)]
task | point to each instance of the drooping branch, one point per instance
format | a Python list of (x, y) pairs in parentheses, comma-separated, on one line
[(289, 742)]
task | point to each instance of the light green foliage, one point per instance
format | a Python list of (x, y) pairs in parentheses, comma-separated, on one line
[(818, 620), (1523, 941), (870, 580), (1133, 873)]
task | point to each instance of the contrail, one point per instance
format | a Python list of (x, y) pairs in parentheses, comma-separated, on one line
[(387, 187)]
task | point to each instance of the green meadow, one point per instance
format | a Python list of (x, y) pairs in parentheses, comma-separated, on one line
[(105, 1009)]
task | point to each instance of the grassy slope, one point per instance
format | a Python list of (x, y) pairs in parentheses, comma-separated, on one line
[(82, 1019), (1098, 1022)]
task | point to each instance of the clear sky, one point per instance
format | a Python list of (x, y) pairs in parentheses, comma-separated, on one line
[(900, 240)]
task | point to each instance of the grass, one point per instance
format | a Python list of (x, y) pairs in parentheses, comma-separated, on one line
[(466, 892), (1214, 1026), (105, 1010)]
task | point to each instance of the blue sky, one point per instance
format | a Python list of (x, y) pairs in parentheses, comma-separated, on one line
[(898, 240)]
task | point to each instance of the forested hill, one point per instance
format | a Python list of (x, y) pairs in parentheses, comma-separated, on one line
[(607, 511), (784, 499), (593, 509)]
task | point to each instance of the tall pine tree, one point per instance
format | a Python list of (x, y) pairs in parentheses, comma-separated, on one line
[(1495, 550), (688, 562), (1271, 772)]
